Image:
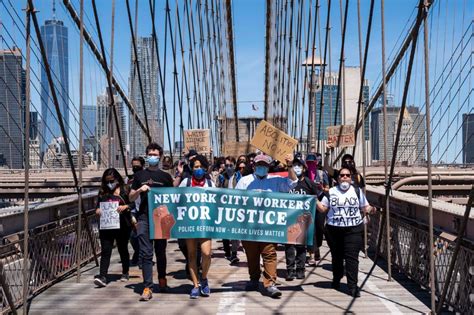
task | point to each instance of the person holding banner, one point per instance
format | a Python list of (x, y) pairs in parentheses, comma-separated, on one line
[(296, 254), (345, 206), (113, 198), (260, 181), (199, 166), (143, 180)]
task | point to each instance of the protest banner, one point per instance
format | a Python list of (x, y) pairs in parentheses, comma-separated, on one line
[(197, 139), (109, 217), (218, 213), (340, 136), (273, 141), (232, 148)]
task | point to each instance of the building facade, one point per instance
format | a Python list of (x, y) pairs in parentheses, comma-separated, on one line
[(11, 109), (411, 148), (468, 138), (55, 38), (148, 66)]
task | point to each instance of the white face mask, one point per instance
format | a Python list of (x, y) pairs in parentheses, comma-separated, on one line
[(112, 185), (345, 185), (298, 170)]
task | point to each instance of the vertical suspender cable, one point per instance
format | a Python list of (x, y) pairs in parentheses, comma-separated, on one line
[(268, 35), (341, 62), (26, 259), (426, 5), (230, 47), (81, 117), (112, 108), (385, 138)]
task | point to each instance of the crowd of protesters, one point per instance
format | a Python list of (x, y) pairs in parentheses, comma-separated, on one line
[(298, 174)]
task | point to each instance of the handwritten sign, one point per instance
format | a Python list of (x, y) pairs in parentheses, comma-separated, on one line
[(273, 141), (340, 136), (235, 149), (197, 139), (109, 217)]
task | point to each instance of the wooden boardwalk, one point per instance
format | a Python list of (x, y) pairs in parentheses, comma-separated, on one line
[(311, 295)]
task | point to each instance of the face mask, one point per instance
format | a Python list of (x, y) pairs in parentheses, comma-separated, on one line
[(153, 160), (345, 185), (199, 173), (136, 169), (311, 169), (229, 170), (261, 171), (298, 170), (112, 185)]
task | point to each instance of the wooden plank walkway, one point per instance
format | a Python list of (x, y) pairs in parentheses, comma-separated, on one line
[(311, 295)]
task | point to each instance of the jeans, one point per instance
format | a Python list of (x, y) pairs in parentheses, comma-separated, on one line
[(295, 256), (107, 238), (345, 244), (146, 252)]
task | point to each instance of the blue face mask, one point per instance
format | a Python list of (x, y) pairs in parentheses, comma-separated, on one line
[(199, 173), (261, 171), (153, 160)]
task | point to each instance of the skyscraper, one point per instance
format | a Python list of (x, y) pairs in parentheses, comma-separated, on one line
[(148, 66), (102, 125), (11, 109), (55, 38), (468, 138), (411, 148)]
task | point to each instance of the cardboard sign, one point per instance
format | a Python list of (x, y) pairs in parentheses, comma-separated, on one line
[(197, 139), (340, 136), (109, 217), (235, 149), (273, 141)]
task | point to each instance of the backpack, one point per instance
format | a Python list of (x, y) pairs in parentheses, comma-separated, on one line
[(189, 182)]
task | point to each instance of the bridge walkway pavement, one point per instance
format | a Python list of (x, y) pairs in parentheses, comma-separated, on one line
[(311, 295)]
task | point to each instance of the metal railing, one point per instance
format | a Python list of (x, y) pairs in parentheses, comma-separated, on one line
[(52, 255), (410, 255)]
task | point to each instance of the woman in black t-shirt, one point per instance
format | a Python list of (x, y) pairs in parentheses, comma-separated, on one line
[(113, 190)]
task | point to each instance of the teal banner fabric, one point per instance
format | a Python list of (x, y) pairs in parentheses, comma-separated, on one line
[(231, 214)]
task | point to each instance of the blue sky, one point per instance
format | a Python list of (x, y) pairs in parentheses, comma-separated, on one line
[(249, 28)]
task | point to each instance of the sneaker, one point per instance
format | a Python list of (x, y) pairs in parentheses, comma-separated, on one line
[(336, 284), (234, 260), (273, 292), (205, 290), (100, 282), (125, 277), (290, 275), (194, 293), (311, 262), (163, 285), (317, 254), (146, 295), (252, 285), (355, 293), (300, 274)]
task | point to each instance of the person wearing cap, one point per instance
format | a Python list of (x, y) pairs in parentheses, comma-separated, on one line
[(316, 174), (296, 254), (349, 163), (259, 181)]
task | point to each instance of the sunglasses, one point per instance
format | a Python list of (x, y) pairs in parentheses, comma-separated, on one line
[(344, 175)]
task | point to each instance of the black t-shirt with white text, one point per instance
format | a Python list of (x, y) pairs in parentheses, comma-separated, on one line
[(305, 187), (157, 178)]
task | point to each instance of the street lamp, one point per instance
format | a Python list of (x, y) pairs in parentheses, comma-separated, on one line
[(313, 85)]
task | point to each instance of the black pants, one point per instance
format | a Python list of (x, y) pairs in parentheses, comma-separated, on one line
[(318, 231), (295, 256), (230, 247), (107, 238), (146, 252), (345, 244)]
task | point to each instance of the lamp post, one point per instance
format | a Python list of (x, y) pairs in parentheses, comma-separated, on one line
[(313, 85)]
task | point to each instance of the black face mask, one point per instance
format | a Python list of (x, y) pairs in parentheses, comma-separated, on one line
[(136, 169)]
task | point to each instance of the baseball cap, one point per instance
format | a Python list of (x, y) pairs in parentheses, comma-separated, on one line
[(311, 157), (263, 158), (191, 152), (299, 159)]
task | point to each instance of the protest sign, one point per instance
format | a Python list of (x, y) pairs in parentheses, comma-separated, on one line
[(197, 139), (232, 148), (109, 217), (231, 214), (273, 141), (340, 136)]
